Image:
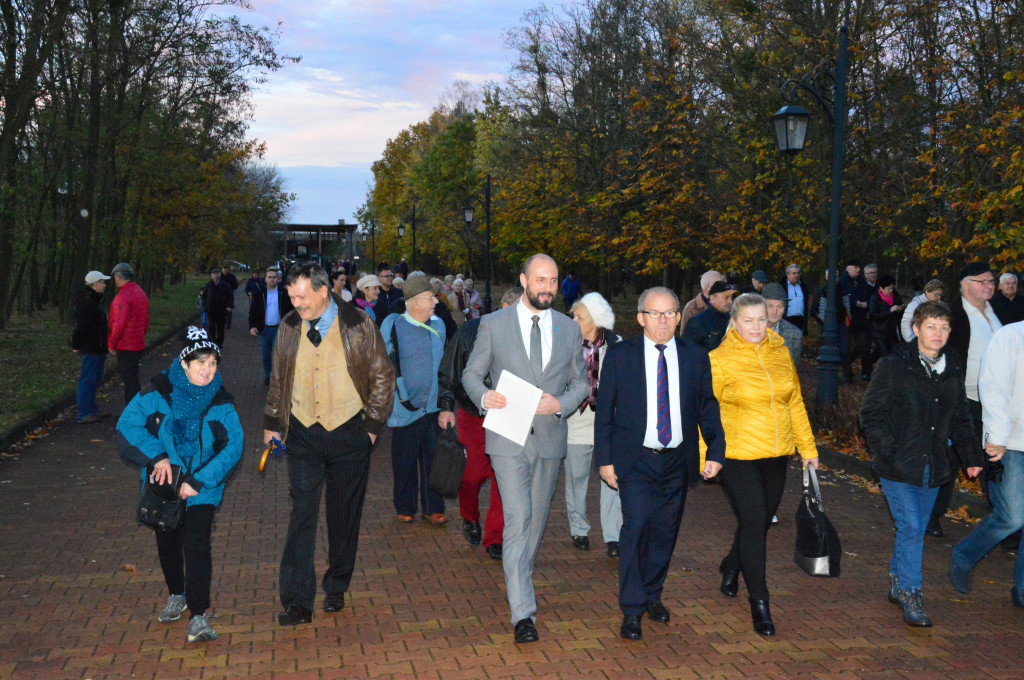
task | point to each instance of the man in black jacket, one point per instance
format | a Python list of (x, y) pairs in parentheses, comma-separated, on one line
[(451, 396), (708, 328), (219, 299), (90, 341), (231, 282), (269, 305), (1007, 302)]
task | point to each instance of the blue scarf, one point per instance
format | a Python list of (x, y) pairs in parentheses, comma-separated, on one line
[(188, 402)]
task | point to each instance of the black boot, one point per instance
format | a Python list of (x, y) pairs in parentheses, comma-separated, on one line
[(730, 582), (762, 618)]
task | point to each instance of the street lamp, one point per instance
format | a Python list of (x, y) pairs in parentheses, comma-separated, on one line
[(468, 214), (790, 124), (401, 233)]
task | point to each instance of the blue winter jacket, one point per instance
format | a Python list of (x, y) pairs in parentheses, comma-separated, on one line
[(142, 438)]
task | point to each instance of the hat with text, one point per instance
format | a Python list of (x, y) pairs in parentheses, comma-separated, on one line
[(197, 338)]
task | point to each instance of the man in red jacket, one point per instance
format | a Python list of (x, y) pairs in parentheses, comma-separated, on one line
[(129, 319)]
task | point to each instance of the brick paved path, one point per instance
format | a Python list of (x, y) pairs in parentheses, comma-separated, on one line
[(80, 586)]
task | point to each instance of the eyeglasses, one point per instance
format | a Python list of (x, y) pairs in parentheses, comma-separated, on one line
[(984, 282), (655, 314), (386, 276)]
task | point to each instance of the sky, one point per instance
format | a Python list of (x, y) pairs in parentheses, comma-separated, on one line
[(369, 69)]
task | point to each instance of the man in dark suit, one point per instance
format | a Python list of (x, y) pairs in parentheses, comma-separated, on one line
[(645, 444), (544, 348), (798, 308)]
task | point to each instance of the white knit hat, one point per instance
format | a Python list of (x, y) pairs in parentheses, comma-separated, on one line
[(600, 311)]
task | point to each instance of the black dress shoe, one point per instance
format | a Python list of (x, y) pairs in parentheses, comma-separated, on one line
[(762, 618), (294, 616), (730, 582), (581, 542), (494, 551), (526, 631), (613, 548), (657, 612), (471, 530), (631, 629), (334, 602), (934, 529), (1011, 543)]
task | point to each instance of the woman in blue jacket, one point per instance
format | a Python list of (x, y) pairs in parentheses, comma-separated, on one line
[(185, 417)]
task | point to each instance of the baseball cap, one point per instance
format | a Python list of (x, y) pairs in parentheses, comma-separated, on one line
[(94, 276)]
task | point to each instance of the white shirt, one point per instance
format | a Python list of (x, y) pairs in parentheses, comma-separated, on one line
[(526, 327), (983, 327), (795, 294), (273, 311), (1001, 385), (675, 409)]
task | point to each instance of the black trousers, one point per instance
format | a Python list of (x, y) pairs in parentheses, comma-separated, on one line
[(754, 488), (128, 369), (412, 456), (947, 489), (185, 558), (798, 320), (339, 459), (859, 347), (215, 327)]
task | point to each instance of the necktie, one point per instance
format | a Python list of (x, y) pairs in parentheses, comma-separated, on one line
[(536, 359), (664, 410), (313, 334)]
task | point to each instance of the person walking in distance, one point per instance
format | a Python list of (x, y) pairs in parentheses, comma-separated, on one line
[(270, 303), (545, 348)]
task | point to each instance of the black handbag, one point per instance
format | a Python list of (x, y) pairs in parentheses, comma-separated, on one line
[(817, 543), (161, 506), (449, 465)]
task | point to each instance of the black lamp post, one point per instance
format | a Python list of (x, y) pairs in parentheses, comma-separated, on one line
[(401, 233), (790, 125), (468, 213)]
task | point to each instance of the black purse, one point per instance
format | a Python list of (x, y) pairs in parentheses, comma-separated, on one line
[(449, 464), (817, 543), (161, 506)]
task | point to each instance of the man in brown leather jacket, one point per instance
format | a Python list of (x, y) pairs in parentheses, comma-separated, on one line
[(331, 391)]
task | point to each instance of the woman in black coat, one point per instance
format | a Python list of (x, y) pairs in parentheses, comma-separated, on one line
[(915, 403), (885, 309)]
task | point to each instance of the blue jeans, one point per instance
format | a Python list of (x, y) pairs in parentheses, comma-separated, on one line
[(911, 506), (267, 339), (1007, 499), (88, 382)]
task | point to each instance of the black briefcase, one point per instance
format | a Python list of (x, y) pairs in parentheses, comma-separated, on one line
[(449, 464)]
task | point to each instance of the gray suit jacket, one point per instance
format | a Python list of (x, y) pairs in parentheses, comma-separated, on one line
[(499, 347)]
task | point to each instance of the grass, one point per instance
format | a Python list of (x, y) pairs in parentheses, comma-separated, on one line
[(38, 367)]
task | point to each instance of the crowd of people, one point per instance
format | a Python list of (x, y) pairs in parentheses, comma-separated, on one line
[(708, 390)]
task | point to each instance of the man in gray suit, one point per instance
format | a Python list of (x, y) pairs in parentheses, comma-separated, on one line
[(545, 348)]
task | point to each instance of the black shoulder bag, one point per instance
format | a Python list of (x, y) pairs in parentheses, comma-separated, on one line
[(817, 543), (161, 505)]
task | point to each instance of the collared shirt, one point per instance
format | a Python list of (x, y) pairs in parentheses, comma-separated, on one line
[(328, 317), (796, 299), (983, 327), (526, 326), (675, 408), (273, 311)]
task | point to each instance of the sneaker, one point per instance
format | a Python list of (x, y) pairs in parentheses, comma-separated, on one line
[(172, 612), (200, 630), (913, 610)]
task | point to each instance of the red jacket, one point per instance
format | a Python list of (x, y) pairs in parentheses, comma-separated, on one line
[(129, 319)]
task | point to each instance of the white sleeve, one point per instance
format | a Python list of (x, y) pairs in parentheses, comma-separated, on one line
[(907, 322), (995, 385)]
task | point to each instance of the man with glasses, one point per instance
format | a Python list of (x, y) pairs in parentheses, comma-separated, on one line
[(974, 324), (645, 445), (269, 305), (391, 299)]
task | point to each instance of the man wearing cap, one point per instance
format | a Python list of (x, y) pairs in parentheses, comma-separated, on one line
[(219, 299), (90, 341), (798, 305), (269, 305), (229, 279), (775, 300), (415, 342), (331, 391), (129, 320), (757, 282), (708, 328), (699, 303), (973, 325)]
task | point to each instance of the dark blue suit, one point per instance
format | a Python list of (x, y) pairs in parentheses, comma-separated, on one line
[(652, 486)]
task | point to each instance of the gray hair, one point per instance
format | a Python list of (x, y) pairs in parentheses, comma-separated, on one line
[(1007, 276), (708, 278), (871, 266), (435, 284), (512, 295), (789, 267), (415, 273), (308, 270), (448, 279), (274, 269), (659, 290)]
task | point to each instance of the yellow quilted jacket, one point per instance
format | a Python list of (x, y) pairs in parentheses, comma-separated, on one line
[(759, 395)]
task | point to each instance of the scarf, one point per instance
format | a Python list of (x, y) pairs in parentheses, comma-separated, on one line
[(592, 357), (188, 403), (887, 299), (462, 300)]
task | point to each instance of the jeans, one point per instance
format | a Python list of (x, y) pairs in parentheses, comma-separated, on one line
[(1007, 517), (412, 456), (88, 382), (910, 507), (267, 339), (186, 559)]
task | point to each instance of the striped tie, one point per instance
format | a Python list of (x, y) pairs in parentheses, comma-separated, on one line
[(664, 411)]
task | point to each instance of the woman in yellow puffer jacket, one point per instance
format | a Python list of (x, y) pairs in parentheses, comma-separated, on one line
[(765, 422)]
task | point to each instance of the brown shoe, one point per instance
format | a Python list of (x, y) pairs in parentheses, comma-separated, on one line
[(436, 519), (405, 518)]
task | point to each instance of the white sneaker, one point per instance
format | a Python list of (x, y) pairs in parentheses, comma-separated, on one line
[(775, 519), (200, 630), (172, 612)]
